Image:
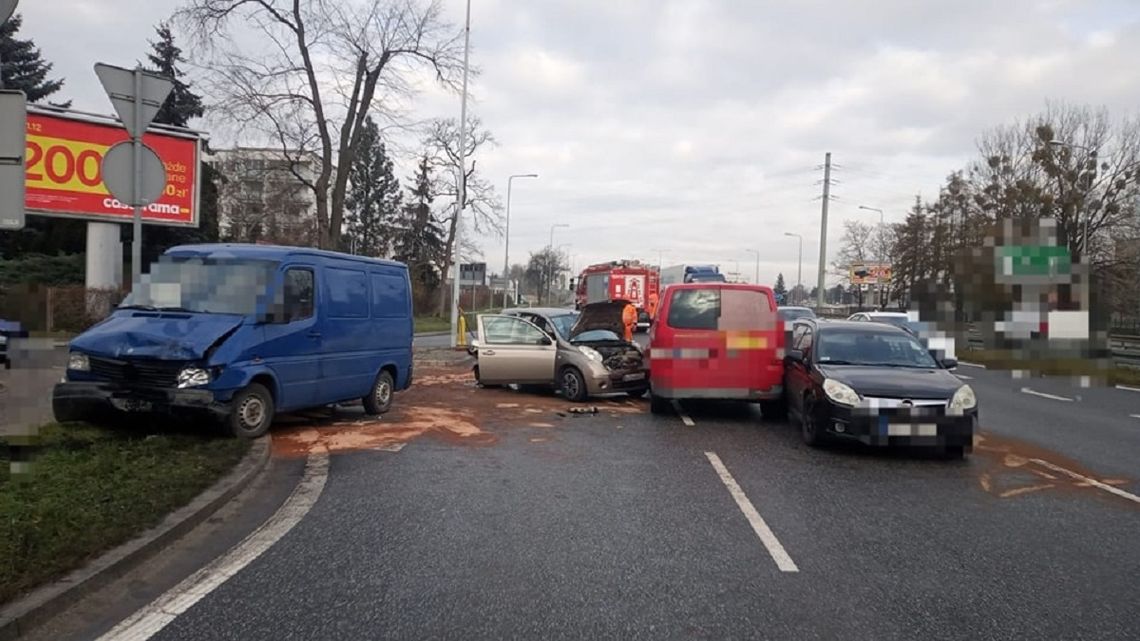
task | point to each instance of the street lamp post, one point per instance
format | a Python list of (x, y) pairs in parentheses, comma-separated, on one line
[(800, 264), (461, 179), (756, 279), (507, 235), (879, 250), (550, 277)]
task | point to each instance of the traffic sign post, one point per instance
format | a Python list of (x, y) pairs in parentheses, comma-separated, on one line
[(13, 141), (137, 96)]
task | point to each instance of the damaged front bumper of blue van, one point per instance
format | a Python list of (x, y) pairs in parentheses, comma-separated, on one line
[(151, 386)]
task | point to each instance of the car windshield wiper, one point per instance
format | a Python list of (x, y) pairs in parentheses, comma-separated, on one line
[(907, 365), (837, 362), (145, 308)]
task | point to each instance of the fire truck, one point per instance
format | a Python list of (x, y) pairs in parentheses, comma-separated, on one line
[(629, 280)]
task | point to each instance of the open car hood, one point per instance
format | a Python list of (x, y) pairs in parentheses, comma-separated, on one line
[(604, 315)]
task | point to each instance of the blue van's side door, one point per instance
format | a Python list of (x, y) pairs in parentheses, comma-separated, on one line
[(292, 346), (348, 366)]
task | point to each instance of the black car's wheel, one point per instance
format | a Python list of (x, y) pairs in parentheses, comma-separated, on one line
[(810, 429), (379, 399), (776, 410), (953, 452), (573, 385), (252, 411)]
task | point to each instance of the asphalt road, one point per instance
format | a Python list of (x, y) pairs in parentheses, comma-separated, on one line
[(711, 524)]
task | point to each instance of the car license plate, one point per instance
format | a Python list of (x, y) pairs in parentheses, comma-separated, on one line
[(906, 429), (634, 377), (131, 405)]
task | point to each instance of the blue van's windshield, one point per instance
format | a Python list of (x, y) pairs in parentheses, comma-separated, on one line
[(205, 285)]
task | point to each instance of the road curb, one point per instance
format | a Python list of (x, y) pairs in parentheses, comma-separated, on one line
[(23, 615), (431, 334)]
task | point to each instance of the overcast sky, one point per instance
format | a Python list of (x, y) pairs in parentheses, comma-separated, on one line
[(695, 128)]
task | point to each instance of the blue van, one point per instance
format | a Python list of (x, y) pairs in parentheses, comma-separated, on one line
[(241, 332)]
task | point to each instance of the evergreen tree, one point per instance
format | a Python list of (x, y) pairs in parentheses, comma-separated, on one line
[(166, 58), (781, 290), (419, 237), (181, 106), (21, 66), (374, 200)]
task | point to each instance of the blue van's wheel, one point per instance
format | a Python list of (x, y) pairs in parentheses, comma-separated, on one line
[(251, 411), (379, 399)]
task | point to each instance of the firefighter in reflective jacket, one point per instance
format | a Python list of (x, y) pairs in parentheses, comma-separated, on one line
[(629, 318), (652, 306)]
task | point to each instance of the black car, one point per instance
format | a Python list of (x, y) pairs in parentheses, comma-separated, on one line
[(8, 331), (877, 384)]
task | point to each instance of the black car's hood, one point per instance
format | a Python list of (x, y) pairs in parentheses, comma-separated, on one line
[(604, 315), (895, 382)]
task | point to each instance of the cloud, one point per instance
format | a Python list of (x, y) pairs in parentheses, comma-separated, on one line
[(696, 127)]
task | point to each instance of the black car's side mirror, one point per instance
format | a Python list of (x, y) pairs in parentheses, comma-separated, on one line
[(950, 363), (796, 355)]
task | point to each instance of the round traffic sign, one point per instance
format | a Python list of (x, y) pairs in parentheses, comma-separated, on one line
[(119, 174)]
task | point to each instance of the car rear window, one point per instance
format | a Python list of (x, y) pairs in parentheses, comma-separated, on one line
[(721, 309)]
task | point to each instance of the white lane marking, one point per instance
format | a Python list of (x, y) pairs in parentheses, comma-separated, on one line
[(1130, 389), (767, 537), (977, 365), (964, 377), (1026, 390), (1093, 482), (1135, 415), (684, 417), (158, 614)]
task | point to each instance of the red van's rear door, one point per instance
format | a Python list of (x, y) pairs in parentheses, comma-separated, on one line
[(724, 343)]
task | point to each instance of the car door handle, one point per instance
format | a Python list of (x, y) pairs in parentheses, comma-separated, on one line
[(314, 334), (487, 352)]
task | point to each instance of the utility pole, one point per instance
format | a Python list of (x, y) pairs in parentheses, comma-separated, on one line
[(462, 181), (823, 227)]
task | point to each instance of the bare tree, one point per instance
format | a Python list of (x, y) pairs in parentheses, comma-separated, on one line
[(315, 71), (483, 205)]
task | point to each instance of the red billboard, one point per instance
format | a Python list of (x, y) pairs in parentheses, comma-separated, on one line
[(64, 160)]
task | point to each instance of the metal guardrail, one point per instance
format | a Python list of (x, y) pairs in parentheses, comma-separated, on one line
[(1125, 349)]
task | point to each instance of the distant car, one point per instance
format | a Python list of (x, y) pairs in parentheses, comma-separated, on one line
[(789, 313), (8, 331), (925, 332), (581, 353), (876, 384)]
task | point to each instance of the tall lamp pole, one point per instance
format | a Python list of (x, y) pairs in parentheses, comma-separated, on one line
[(756, 278), (879, 250), (800, 267), (507, 235), (461, 179)]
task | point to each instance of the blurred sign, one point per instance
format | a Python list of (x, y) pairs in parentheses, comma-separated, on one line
[(13, 113), (472, 274), (869, 273), (64, 174)]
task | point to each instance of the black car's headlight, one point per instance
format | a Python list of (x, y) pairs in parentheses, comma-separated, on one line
[(964, 399), (840, 392)]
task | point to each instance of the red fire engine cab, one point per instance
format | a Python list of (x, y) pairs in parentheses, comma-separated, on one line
[(619, 280)]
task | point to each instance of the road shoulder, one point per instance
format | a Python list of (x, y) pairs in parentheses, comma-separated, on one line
[(34, 609)]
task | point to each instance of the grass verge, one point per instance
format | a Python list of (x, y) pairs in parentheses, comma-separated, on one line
[(91, 489), (432, 324), (1002, 359)]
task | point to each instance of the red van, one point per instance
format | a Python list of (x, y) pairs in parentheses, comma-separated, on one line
[(717, 341)]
